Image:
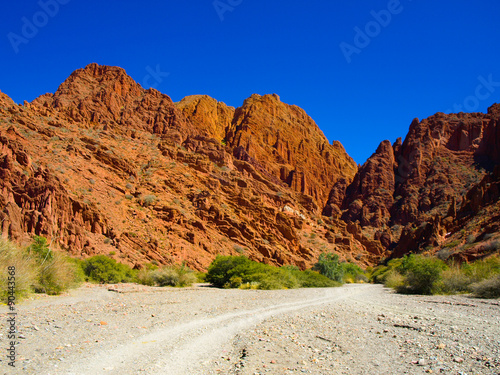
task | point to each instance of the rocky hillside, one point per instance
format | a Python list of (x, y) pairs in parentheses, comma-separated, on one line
[(103, 166), (416, 194)]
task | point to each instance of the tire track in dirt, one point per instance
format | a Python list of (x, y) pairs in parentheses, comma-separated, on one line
[(184, 348)]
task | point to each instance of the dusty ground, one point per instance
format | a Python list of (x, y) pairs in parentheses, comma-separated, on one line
[(356, 329)]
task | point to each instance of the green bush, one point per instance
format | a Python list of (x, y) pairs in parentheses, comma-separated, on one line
[(328, 265), (241, 272), (393, 279), (280, 278), (270, 283), (102, 269), (421, 274), (313, 279), (201, 277), (223, 268), (482, 269), (379, 274), (429, 275), (39, 248), (352, 273)]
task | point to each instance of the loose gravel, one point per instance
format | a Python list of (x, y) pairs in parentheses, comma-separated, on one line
[(356, 329)]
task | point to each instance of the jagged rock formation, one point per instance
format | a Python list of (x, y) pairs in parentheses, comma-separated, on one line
[(287, 144), (210, 117), (420, 182), (104, 166), (108, 96), (370, 196)]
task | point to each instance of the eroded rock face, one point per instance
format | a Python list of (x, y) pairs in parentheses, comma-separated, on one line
[(417, 183), (105, 167), (210, 117), (290, 145), (38, 203), (437, 164), (489, 148), (108, 96), (369, 197)]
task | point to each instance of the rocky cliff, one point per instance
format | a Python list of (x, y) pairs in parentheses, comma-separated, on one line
[(285, 142), (416, 187), (104, 166)]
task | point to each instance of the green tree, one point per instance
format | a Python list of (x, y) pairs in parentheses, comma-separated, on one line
[(223, 268), (329, 266)]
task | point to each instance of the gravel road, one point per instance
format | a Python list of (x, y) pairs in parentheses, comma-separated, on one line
[(355, 329)]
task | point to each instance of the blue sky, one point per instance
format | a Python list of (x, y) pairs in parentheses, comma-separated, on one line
[(399, 59)]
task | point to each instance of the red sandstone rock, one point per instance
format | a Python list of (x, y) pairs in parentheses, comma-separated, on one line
[(105, 167), (289, 145)]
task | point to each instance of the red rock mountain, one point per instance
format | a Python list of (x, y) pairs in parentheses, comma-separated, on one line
[(421, 183), (283, 140), (104, 166), (210, 117)]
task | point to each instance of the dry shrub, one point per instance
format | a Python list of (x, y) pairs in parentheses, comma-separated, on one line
[(187, 279), (455, 281), (56, 275), (25, 270), (167, 276), (489, 288), (145, 277), (394, 279), (37, 269)]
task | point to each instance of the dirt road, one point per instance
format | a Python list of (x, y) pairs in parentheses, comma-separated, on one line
[(355, 329)]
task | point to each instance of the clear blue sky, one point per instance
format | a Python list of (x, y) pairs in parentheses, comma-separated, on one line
[(426, 58)]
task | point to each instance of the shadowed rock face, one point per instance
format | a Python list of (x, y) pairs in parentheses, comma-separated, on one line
[(416, 182), (369, 197)]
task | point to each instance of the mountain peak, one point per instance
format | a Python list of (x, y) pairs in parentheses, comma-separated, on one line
[(108, 96)]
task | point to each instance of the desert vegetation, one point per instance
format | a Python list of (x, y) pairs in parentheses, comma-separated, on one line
[(40, 269), (102, 269), (241, 272), (37, 269), (180, 276), (419, 274)]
